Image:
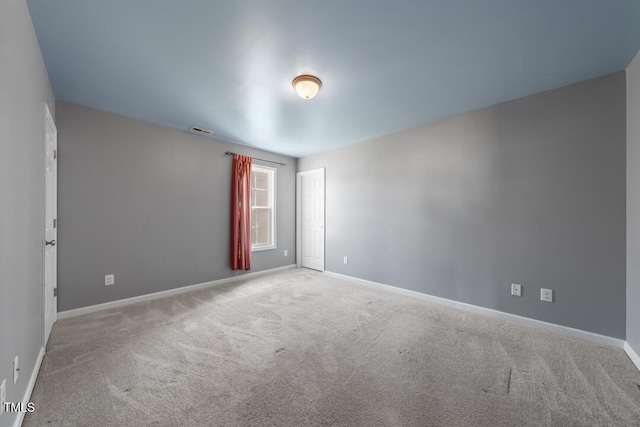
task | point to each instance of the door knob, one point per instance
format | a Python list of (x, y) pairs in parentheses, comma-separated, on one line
[(50, 242)]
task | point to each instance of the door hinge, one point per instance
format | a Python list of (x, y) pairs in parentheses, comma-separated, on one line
[(55, 223), (55, 154), (55, 292)]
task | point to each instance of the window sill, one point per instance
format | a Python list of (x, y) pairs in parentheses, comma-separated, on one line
[(263, 248)]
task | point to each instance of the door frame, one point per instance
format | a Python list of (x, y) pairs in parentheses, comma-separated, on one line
[(48, 119), (299, 176)]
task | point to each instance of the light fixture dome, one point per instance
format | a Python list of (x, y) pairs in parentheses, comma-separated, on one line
[(307, 86)]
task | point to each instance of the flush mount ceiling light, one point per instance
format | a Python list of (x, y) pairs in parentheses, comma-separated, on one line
[(307, 86)]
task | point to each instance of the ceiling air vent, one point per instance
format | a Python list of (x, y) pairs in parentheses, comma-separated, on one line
[(200, 131)]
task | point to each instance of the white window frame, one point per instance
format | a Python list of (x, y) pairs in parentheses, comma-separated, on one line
[(274, 172)]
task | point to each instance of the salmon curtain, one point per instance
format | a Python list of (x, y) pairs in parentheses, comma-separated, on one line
[(241, 213)]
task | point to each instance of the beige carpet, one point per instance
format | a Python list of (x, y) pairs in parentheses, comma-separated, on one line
[(298, 348)]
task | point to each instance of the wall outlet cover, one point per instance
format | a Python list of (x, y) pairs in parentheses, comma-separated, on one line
[(109, 280), (516, 290), (346, 260), (546, 295), (3, 395), (16, 370), (286, 252)]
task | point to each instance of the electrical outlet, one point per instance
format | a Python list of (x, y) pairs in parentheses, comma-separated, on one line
[(109, 280), (546, 295), (16, 369), (3, 395), (516, 290), (346, 260), (286, 252)]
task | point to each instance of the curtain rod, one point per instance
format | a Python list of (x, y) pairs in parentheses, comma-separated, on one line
[(229, 153)]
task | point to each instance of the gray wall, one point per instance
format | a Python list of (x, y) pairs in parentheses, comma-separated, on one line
[(24, 88), (531, 191), (633, 204), (150, 205)]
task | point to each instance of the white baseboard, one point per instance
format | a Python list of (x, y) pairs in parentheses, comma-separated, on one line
[(163, 294), (32, 383), (539, 324), (632, 354)]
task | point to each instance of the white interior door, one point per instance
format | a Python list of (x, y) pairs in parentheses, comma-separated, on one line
[(50, 225), (311, 198)]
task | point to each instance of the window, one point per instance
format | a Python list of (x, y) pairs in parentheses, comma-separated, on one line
[(263, 212)]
